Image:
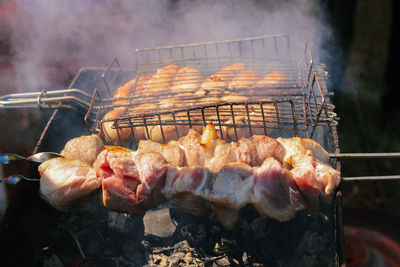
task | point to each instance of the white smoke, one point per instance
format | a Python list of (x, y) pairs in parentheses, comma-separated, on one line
[(51, 40)]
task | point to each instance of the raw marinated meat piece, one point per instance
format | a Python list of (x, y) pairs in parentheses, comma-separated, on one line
[(64, 182), (84, 148), (131, 181), (315, 180), (275, 194), (231, 191), (187, 187), (256, 149), (171, 151)]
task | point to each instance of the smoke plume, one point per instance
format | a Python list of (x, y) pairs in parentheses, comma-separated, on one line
[(51, 40)]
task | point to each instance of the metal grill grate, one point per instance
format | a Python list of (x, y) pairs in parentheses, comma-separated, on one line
[(299, 105)]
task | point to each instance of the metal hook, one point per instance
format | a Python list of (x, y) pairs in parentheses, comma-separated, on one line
[(39, 98)]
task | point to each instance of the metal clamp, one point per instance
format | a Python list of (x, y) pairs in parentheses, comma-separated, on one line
[(88, 113), (103, 75), (39, 98)]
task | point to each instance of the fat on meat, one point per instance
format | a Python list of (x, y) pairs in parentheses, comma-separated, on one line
[(174, 155), (187, 187), (223, 153), (256, 149), (196, 153), (64, 182), (275, 195), (198, 173), (231, 191), (215, 152), (84, 148)]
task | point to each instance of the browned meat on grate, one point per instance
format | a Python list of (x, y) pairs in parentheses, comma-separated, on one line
[(114, 135), (244, 79), (219, 80), (162, 80), (187, 81), (272, 79)]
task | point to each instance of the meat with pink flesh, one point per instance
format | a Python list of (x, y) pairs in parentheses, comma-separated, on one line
[(315, 180), (231, 191), (223, 153), (274, 194), (303, 146), (252, 151), (196, 154), (196, 173), (65, 182), (186, 188), (171, 151), (83, 148), (308, 163), (255, 150), (131, 181)]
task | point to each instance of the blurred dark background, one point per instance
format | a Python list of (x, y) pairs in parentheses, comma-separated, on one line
[(365, 81), (363, 66)]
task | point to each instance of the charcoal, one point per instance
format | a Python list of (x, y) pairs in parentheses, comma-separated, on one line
[(159, 224)]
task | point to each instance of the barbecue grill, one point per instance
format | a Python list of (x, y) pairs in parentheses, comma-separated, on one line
[(299, 106)]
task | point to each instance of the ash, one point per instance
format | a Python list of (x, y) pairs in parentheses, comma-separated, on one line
[(91, 235)]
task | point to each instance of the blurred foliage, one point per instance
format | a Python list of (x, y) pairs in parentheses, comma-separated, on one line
[(363, 126)]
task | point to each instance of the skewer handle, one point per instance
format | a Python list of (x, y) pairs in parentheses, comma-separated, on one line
[(371, 178), (365, 155), (368, 156)]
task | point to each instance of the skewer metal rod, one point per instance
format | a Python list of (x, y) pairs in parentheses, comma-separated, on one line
[(364, 178), (366, 155)]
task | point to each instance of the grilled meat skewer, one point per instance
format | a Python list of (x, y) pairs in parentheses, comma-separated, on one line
[(197, 173)]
